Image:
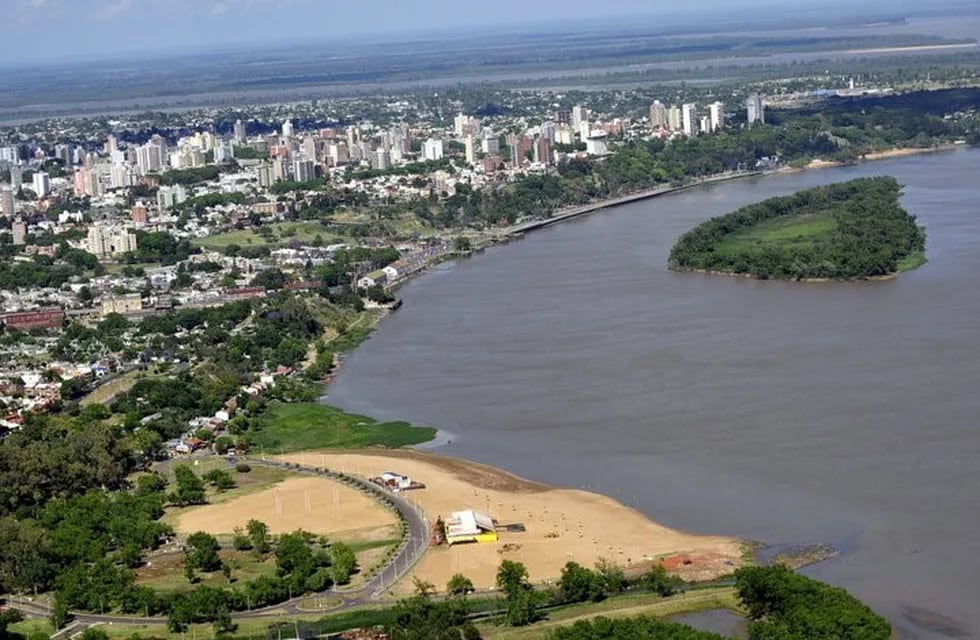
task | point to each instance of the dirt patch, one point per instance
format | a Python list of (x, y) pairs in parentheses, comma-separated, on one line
[(316, 505), (559, 524)]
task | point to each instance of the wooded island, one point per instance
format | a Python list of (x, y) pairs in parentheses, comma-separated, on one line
[(844, 231)]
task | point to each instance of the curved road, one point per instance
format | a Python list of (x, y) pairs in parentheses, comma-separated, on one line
[(411, 548)]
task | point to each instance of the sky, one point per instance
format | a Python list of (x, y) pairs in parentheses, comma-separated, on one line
[(54, 29)]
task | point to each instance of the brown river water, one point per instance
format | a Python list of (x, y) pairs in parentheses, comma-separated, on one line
[(837, 413)]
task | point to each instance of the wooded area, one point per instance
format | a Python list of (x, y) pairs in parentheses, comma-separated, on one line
[(849, 230)]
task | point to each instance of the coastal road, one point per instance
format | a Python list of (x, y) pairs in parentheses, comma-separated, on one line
[(412, 547)]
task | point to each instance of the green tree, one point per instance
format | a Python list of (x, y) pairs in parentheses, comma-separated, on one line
[(220, 479), (459, 585), (190, 488), (578, 584), (343, 562), (60, 613), (522, 599), (258, 533), (659, 581), (202, 551)]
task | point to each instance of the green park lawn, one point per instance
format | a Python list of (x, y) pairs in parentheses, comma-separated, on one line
[(303, 426), (790, 232), (278, 234)]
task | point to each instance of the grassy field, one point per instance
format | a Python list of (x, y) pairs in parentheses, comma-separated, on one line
[(166, 572), (106, 392), (302, 426), (623, 606), (281, 233), (791, 232)]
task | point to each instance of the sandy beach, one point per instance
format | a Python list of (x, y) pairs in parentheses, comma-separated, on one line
[(561, 524), (316, 505)]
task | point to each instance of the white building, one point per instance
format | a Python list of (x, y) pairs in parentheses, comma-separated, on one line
[(580, 114), (716, 113), (169, 197), (432, 149), (756, 109), (241, 137), (287, 129), (689, 119), (596, 144), (674, 118), (491, 145), (41, 183), (150, 157), (105, 242)]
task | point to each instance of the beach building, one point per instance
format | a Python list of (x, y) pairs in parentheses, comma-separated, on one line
[(470, 526)]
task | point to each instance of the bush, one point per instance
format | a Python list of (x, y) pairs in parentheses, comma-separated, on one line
[(242, 467)]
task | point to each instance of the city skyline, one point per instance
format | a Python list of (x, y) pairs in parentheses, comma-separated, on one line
[(83, 29)]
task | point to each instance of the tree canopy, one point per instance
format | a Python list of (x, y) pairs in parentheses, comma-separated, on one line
[(847, 230)]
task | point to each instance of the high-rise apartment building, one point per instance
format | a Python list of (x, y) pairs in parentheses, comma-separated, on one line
[(41, 183), (240, 133), (542, 150), (432, 149), (287, 129), (16, 178), (7, 202), (382, 159), (689, 119), (756, 109), (304, 170), (105, 242), (580, 114), (19, 231), (658, 115), (150, 157), (716, 114), (674, 118)]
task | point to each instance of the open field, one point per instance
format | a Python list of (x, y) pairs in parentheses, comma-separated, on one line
[(791, 232), (258, 479), (166, 572), (316, 505), (304, 426), (620, 607), (106, 392), (561, 524), (281, 233)]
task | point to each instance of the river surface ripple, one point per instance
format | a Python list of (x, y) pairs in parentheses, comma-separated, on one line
[(781, 412)]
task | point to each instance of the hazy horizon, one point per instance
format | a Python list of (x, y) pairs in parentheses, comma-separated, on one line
[(65, 30)]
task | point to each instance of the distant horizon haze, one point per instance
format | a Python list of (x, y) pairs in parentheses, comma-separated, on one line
[(52, 31)]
